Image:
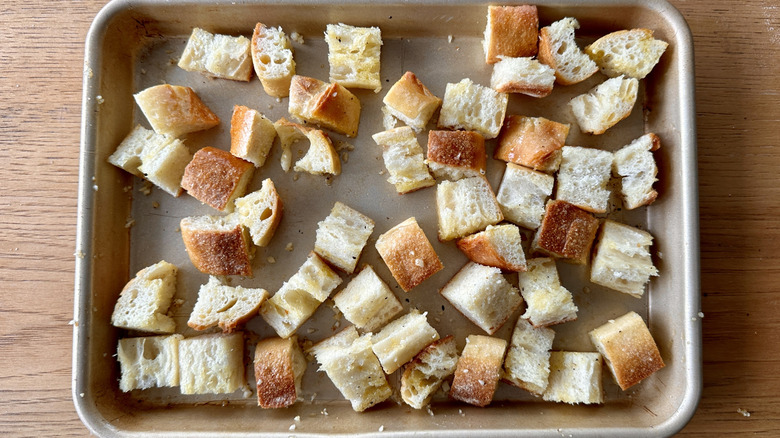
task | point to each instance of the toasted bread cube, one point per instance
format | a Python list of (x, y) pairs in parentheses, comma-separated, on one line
[(511, 31), (566, 232), (353, 55), (548, 302), (342, 236), (404, 160), (522, 75), (272, 57), (300, 296), (226, 306), (320, 159), (367, 301), (465, 206), (633, 53), (411, 102), (522, 195), (636, 165), (498, 246), (279, 368), (218, 55), (533, 142), (559, 50), (622, 259), (605, 105), (473, 107), (260, 212), (218, 245), (527, 363), (408, 254), (329, 105), (482, 295), (574, 378), (144, 301), (159, 158), (351, 365), (584, 177), (212, 364), (175, 110), (398, 342), (148, 362), (478, 371), (215, 177), (456, 154), (424, 375), (127, 155), (251, 135)]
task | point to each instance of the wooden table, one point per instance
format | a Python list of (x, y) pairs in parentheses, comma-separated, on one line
[(738, 111)]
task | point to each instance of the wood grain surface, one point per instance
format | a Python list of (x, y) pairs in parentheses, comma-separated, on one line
[(738, 112)]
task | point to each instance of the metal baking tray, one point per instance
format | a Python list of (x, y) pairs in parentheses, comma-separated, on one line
[(135, 44)]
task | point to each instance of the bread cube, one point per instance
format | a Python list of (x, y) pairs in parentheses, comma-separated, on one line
[(632, 53), (148, 362), (251, 135), (465, 206), (473, 107), (522, 75), (215, 177), (367, 301), (411, 102), (478, 370), (456, 154), (353, 55), (222, 56), (498, 246), (320, 159), (635, 164), (559, 50), (329, 105), (175, 110), (482, 295), (622, 259), (260, 212), (279, 368), (144, 301), (567, 232), (574, 378), (584, 177), (605, 105), (548, 302), (511, 31), (533, 142), (408, 254), (527, 363), (399, 341), (404, 159), (522, 195), (218, 245), (351, 365), (226, 306), (424, 375), (127, 155), (212, 364), (272, 57), (342, 236)]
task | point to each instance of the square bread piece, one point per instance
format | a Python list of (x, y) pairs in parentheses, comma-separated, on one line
[(320, 159), (465, 206), (567, 232), (408, 254), (478, 370), (622, 259), (605, 105), (404, 159), (175, 110), (574, 378), (127, 155), (629, 349), (548, 301), (279, 369), (222, 56), (473, 107), (424, 375), (148, 362), (342, 236), (456, 154), (498, 246), (584, 177), (522, 195), (511, 31), (533, 142), (218, 245), (300, 296), (251, 135), (272, 57), (353, 55), (144, 301), (353, 368), (633, 53), (226, 306), (522, 75), (399, 341), (212, 364), (216, 177), (367, 301), (635, 164), (411, 102), (482, 295), (260, 212), (527, 363), (329, 105), (559, 50)]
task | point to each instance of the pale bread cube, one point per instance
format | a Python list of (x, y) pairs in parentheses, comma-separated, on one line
[(163, 162), (424, 375), (175, 110), (218, 245), (548, 302), (399, 341), (633, 52), (127, 155), (635, 164), (511, 31), (272, 57), (559, 50), (499, 246), (456, 155), (605, 105), (567, 232), (251, 135), (279, 368), (527, 363), (522, 75), (622, 259), (222, 56), (353, 55), (533, 142), (522, 195), (144, 301), (216, 177), (226, 306), (212, 364), (411, 102), (329, 105), (472, 107), (342, 236), (478, 370), (408, 254), (260, 212), (367, 301), (574, 378), (320, 159), (583, 179), (404, 159), (465, 206), (148, 362)]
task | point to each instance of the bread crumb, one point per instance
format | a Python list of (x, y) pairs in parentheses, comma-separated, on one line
[(311, 330), (127, 188), (130, 222), (449, 38), (278, 100), (246, 392), (143, 71), (79, 254), (701, 315), (72, 322), (81, 394), (297, 418), (382, 428), (345, 157), (289, 247), (586, 290), (382, 172), (324, 411), (155, 204), (460, 411), (146, 188), (298, 38), (744, 412), (430, 411), (95, 187), (292, 427), (271, 260), (296, 176), (99, 99)]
